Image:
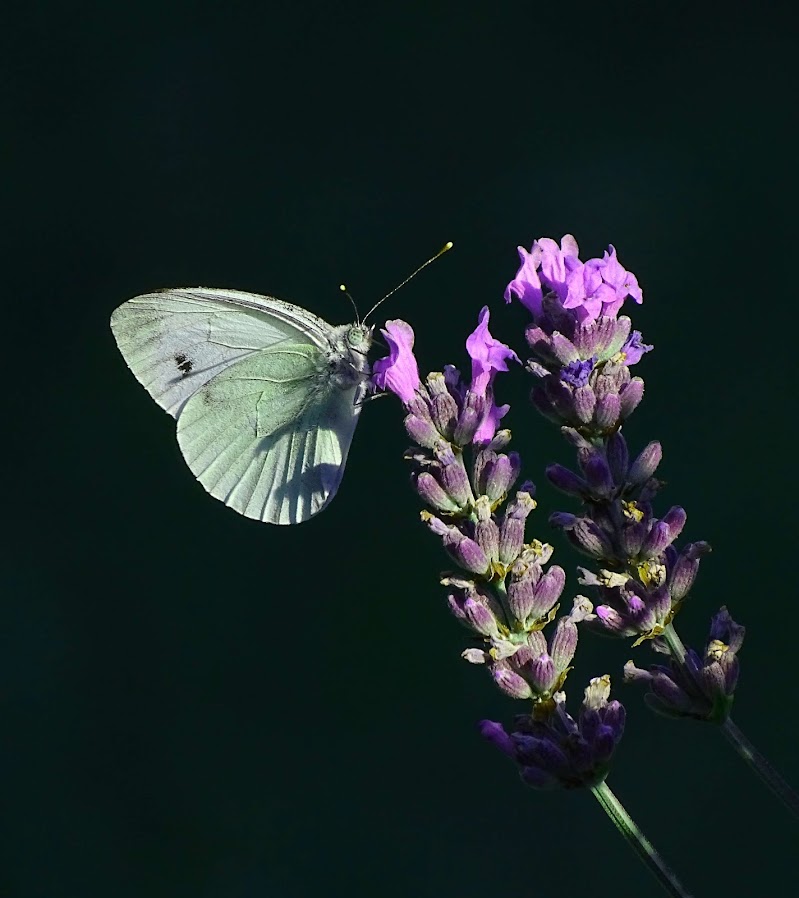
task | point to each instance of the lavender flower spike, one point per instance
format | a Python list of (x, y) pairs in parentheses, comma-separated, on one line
[(582, 353), (501, 590)]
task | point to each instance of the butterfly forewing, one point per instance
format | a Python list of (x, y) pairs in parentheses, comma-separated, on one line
[(174, 341)]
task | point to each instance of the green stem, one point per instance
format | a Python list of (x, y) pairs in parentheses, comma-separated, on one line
[(674, 642), (761, 766), (638, 841)]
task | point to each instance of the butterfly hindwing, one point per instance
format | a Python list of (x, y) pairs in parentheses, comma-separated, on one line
[(269, 435)]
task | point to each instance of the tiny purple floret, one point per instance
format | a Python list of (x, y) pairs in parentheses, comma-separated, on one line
[(634, 348), (576, 373), (489, 356), (398, 371)]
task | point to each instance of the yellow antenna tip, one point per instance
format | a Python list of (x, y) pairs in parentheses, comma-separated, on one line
[(448, 245), (343, 288)]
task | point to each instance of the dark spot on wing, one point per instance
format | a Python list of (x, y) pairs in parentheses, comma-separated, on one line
[(184, 364)]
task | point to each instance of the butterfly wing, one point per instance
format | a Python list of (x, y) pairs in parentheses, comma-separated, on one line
[(175, 341), (269, 435)]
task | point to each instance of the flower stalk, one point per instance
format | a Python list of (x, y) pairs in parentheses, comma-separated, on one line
[(637, 840)]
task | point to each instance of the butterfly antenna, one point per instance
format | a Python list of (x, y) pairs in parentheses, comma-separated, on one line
[(344, 290), (445, 248)]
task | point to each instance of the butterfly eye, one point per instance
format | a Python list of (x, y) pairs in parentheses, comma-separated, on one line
[(355, 336)]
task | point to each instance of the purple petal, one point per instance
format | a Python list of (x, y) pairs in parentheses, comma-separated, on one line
[(634, 348), (398, 371), (488, 355), (526, 285)]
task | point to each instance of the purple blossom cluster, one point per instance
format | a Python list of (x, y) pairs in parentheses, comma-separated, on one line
[(502, 589), (582, 353), (701, 687), (563, 752), (642, 579)]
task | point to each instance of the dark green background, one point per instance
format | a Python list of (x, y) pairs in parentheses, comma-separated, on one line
[(198, 705)]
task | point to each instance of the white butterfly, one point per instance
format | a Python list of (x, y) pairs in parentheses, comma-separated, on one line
[(266, 395)]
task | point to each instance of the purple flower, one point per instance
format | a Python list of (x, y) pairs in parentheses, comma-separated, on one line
[(555, 750), (635, 348), (576, 373), (592, 289), (488, 356), (693, 686), (398, 371), (527, 285)]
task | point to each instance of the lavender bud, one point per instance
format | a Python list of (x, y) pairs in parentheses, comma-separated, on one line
[(584, 403), (500, 440), (466, 552), (656, 541), (536, 645), (563, 349), (421, 431), (670, 694), (511, 539), (630, 397), (713, 680), (564, 643), (607, 412), (731, 667), (470, 418), (455, 481), (431, 492), (541, 674), (511, 683), (618, 456), (480, 618), (597, 474), (566, 481), (547, 591), (495, 733), (610, 621), (631, 537), (563, 520), (575, 438), (511, 532), (685, 570), (646, 464), (675, 519), (545, 753), (486, 531), (497, 477), (520, 590), (466, 427), (443, 408), (588, 538)]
